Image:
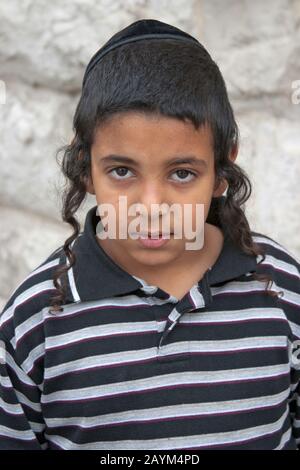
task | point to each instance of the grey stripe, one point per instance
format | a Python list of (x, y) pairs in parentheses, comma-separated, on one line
[(23, 297), (32, 322), (15, 409), (19, 372), (33, 356), (231, 316), (197, 297), (199, 440), (284, 439), (175, 411), (14, 433), (281, 265), (237, 287), (167, 380), (266, 241), (150, 353), (101, 331), (39, 270)]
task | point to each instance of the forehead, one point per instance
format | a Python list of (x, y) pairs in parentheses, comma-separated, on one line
[(137, 133)]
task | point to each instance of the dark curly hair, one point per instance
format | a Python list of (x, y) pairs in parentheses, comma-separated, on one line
[(163, 77)]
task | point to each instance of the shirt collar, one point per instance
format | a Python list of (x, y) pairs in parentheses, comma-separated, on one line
[(95, 276)]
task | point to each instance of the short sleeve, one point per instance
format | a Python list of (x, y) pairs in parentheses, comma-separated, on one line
[(284, 268), (290, 302), (22, 356), (21, 420)]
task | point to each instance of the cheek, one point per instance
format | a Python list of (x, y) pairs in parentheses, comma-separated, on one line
[(201, 193), (105, 190), (196, 216)]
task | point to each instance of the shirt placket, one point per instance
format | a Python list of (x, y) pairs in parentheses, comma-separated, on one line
[(198, 297)]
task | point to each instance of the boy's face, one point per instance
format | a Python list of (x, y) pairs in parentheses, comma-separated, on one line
[(149, 177)]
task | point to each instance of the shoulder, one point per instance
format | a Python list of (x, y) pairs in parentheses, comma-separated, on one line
[(284, 268), (31, 295), (277, 255)]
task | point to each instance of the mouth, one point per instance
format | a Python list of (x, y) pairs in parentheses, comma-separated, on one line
[(155, 235), (152, 238)]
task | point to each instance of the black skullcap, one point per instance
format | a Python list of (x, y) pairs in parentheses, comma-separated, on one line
[(141, 29)]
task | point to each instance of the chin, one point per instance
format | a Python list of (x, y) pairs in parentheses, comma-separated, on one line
[(153, 258)]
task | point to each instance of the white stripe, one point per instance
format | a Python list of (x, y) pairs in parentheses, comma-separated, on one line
[(264, 240), (293, 387), (236, 287), (281, 265), (70, 272), (73, 286), (230, 345), (173, 316), (296, 422), (173, 411), (102, 331), (165, 380), (25, 327), (25, 401), (126, 301), (117, 328), (290, 296), (157, 301), (36, 427), (11, 408), (45, 266), (5, 382), (197, 297), (38, 318), (18, 371), (27, 435), (284, 439), (295, 328), (38, 270), (25, 296), (231, 316), (180, 442), (118, 358), (137, 356), (33, 356)]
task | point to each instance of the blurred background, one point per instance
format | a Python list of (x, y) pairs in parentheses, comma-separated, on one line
[(44, 49)]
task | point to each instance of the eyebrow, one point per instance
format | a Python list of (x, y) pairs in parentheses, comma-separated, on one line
[(189, 159)]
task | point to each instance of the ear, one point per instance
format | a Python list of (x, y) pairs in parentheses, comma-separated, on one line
[(87, 180), (221, 185), (234, 153)]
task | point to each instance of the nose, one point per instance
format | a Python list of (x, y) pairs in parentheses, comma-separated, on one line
[(152, 193), (153, 201)]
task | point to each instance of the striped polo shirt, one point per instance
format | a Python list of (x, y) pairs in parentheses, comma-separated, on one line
[(125, 365)]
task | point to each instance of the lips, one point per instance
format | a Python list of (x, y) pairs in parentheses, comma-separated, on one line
[(152, 236), (155, 235)]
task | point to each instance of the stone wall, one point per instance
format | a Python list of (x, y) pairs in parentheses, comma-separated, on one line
[(44, 49)]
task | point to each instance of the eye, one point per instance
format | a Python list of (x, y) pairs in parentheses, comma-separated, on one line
[(120, 172), (182, 175)]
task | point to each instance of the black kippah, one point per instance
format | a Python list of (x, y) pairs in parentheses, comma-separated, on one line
[(141, 29)]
